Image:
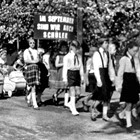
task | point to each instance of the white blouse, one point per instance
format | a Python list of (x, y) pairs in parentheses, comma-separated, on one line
[(89, 66), (97, 61), (125, 65), (68, 64), (46, 58), (27, 56)]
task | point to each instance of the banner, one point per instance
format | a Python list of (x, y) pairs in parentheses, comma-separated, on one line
[(54, 27)]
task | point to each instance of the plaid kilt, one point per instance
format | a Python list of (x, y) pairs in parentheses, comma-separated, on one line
[(32, 75)]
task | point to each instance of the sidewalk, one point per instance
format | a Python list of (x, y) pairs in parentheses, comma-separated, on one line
[(98, 130), (57, 123)]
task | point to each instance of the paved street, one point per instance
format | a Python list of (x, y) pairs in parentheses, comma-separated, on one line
[(18, 122)]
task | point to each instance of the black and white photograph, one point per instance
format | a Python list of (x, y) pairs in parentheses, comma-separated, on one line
[(69, 69)]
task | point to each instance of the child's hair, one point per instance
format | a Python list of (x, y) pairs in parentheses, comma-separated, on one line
[(102, 40), (75, 44), (63, 43), (130, 45)]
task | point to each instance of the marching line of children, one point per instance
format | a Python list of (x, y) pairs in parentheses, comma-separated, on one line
[(105, 79), (126, 81), (102, 78)]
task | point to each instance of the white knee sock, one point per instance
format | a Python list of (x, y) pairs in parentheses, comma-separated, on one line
[(74, 111), (66, 98), (29, 97), (128, 118), (34, 99), (105, 109)]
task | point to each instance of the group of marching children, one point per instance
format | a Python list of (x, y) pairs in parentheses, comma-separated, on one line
[(102, 77)]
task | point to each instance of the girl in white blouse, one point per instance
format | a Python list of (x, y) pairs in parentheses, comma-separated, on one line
[(73, 74), (128, 84)]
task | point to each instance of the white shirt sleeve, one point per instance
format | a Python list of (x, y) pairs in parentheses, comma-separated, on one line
[(65, 69), (137, 66), (88, 65), (46, 61), (111, 70), (26, 56), (57, 63), (96, 64), (119, 79)]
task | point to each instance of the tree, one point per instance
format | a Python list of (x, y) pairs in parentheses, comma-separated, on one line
[(119, 19)]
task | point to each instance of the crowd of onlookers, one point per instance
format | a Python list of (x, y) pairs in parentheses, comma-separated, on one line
[(34, 70)]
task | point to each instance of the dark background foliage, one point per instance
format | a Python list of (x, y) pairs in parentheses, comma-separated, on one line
[(119, 19)]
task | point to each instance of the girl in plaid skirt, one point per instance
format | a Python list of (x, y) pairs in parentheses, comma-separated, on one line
[(32, 72)]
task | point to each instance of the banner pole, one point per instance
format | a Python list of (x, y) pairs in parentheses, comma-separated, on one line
[(38, 43), (79, 23)]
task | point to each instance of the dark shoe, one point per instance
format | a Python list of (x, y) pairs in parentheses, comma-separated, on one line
[(85, 107), (29, 104), (55, 100), (106, 119), (66, 107), (94, 114), (93, 117), (130, 130), (135, 118), (36, 108), (122, 121), (40, 103)]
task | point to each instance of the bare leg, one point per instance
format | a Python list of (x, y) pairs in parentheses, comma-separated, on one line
[(66, 98), (85, 102), (77, 93), (94, 112)]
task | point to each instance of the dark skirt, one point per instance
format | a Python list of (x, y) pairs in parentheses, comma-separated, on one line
[(32, 75), (43, 77), (74, 78), (103, 93), (92, 83), (130, 88)]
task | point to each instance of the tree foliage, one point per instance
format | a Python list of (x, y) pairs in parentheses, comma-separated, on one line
[(116, 18)]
